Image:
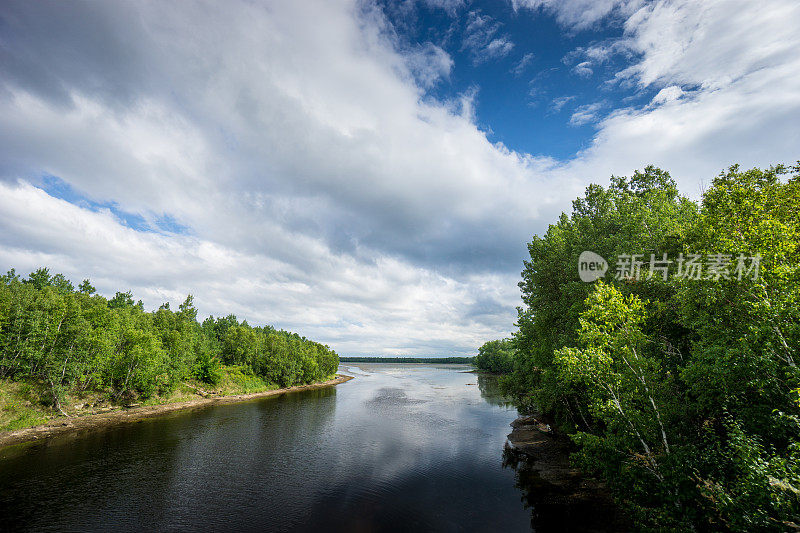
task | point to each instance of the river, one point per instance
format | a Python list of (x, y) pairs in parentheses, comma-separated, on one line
[(399, 448)]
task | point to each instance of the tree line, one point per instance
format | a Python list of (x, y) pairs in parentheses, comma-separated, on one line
[(680, 388), (439, 360), (73, 340)]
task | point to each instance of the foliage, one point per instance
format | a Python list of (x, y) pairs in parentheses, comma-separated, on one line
[(207, 369), (496, 356), (682, 393), (73, 341)]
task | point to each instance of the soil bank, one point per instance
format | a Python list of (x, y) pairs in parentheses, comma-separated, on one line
[(63, 425)]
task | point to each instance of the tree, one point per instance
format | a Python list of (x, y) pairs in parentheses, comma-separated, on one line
[(121, 300), (640, 214), (39, 278), (496, 356), (682, 393), (628, 392), (71, 342), (9, 277), (86, 288), (187, 310), (61, 283)]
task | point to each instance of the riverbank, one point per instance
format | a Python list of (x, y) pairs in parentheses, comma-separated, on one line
[(541, 460), (126, 415)]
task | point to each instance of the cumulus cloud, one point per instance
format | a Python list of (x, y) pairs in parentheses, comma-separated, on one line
[(322, 189), (303, 155)]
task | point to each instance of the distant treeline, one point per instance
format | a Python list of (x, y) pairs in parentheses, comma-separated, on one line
[(72, 340), (439, 360)]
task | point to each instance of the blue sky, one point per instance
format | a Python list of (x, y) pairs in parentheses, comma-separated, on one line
[(58, 188), (363, 172), (525, 93)]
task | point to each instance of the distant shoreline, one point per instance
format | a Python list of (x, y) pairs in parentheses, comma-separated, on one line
[(64, 425), (423, 360)]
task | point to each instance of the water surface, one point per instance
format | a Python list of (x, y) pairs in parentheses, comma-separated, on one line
[(401, 447)]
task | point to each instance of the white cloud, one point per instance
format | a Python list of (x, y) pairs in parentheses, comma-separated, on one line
[(738, 61), (429, 64), (578, 14), (559, 103), (584, 114), (482, 40), (597, 53), (711, 44), (667, 94), (583, 69), (324, 191), (523, 64), (450, 6), (384, 305), (498, 48)]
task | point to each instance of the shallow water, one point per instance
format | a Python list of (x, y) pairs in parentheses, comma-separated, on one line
[(401, 447)]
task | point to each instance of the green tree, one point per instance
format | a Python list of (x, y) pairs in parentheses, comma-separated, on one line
[(641, 214), (496, 356), (39, 278), (86, 287), (681, 393), (121, 300), (72, 342)]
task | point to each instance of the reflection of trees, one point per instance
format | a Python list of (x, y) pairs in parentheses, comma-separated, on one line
[(489, 385), (185, 468), (297, 415), (89, 479), (556, 507)]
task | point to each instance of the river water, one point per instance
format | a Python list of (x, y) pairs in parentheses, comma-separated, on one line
[(398, 448)]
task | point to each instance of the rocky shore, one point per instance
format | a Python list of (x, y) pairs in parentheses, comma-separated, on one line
[(560, 495)]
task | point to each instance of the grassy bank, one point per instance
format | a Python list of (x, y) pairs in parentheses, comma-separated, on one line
[(27, 404), (92, 418)]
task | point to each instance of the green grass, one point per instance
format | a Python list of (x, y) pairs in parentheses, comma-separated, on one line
[(236, 380), (21, 405)]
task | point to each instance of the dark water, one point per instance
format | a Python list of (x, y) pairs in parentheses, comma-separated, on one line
[(399, 448)]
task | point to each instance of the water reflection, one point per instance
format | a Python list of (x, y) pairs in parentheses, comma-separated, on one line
[(399, 448), (489, 385), (568, 504)]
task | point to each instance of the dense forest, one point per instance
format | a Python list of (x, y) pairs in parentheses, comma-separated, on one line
[(376, 359), (675, 373), (71, 340)]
